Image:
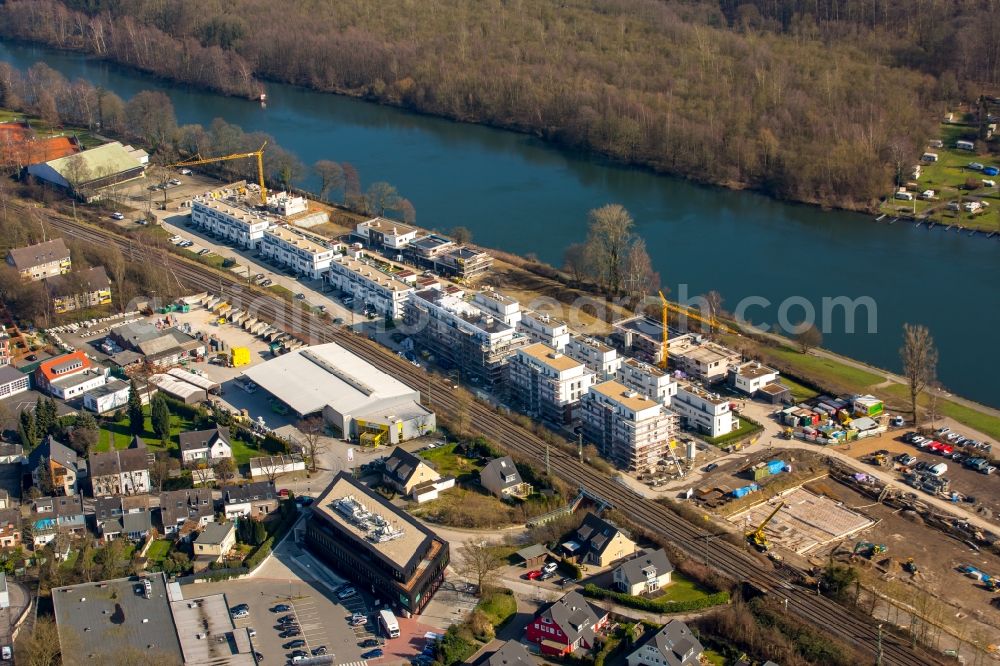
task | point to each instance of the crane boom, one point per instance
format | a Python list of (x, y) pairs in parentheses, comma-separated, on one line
[(258, 154), (764, 523), (758, 536), (666, 334)]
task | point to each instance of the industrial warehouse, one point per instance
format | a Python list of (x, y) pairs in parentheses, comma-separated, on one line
[(355, 398), (378, 546)]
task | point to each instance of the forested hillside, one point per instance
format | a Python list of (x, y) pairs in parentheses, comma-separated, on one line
[(810, 100)]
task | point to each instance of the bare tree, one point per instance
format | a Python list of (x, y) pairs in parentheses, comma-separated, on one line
[(479, 561), (159, 471), (271, 467), (461, 235), (576, 261), (381, 196), (608, 241), (40, 646), (714, 301), (407, 211), (312, 430), (640, 278), (78, 172), (920, 357), (808, 338), (202, 473), (331, 176), (225, 470)]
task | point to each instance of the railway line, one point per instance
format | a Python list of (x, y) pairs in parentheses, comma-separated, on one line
[(850, 626)]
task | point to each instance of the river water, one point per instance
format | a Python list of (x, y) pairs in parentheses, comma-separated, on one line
[(516, 193)]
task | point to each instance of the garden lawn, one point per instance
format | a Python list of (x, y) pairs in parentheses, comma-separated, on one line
[(158, 551), (119, 433), (448, 463), (984, 423), (243, 452), (499, 606), (683, 589), (800, 393)]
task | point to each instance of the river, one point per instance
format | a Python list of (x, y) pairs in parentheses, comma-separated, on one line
[(519, 194)]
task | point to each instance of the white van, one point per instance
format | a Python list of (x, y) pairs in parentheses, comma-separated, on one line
[(904, 196), (989, 183)]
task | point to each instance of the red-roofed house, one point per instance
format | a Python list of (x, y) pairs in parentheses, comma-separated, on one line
[(69, 375)]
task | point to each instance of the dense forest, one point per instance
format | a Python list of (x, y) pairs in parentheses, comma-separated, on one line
[(810, 100)]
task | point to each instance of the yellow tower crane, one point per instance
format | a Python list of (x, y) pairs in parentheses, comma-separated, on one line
[(666, 334), (259, 154), (757, 536)]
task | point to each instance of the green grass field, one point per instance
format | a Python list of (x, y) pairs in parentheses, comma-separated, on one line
[(448, 463), (118, 433), (682, 588), (800, 393), (984, 423), (947, 178), (158, 551), (814, 366)]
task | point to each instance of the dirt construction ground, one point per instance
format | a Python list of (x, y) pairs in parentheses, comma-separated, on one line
[(937, 556)]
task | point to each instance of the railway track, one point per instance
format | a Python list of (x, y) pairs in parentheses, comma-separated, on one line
[(828, 616)]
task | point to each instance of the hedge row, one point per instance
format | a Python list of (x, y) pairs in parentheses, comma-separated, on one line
[(253, 560), (654, 605)]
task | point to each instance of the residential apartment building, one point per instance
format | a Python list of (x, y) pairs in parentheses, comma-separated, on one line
[(369, 285), (495, 304), (641, 337), (701, 358), (37, 262), (237, 226), (648, 380), (548, 384), (250, 500), (629, 429), (751, 377), (120, 471), (599, 357), (390, 235), (463, 263), (12, 381), (90, 288), (705, 411), (69, 375), (304, 253), (545, 329), (461, 334)]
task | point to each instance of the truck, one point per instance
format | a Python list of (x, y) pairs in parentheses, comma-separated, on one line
[(387, 621)]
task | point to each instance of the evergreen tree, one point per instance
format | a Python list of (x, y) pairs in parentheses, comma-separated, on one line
[(26, 430), (45, 417), (136, 419), (259, 532), (159, 413)]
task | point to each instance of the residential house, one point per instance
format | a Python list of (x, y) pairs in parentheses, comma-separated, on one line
[(117, 517), (121, 471), (598, 542), (631, 430), (404, 471), (645, 573), (569, 624), (51, 516), (511, 653), (9, 455), (673, 645), (215, 541), (178, 507), (89, 288), (55, 461), (12, 381), (546, 383), (751, 377), (252, 500), (69, 375), (37, 262), (702, 410), (500, 477), (205, 446), (10, 527)]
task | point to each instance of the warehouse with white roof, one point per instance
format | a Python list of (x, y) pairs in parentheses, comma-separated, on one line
[(354, 397)]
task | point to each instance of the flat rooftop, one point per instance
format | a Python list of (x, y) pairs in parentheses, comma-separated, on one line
[(299, 240), (464, 310), (592, 343), (97, 619), (311, 378), (712, 398), (367, 517), (754, 370), (387, 226), (647, 368), (220, 642), (550, 357), (703, 351), (234, 212), (623, 395), (430, 242), (372, 273)]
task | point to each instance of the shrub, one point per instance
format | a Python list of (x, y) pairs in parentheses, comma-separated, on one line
[(656, 606), (570, 568), (498, 605), (456, 646)]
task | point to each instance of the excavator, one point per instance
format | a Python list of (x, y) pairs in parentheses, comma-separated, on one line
[(757, 537)]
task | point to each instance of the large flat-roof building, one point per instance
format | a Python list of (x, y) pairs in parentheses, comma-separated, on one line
[(304, 253), (236, 225), (85, 173), (381, 232), (463, 332), (354, 397), (40, 261), (544, 328), (599, 357), (648, 380), (377, 545), (701, 358), (547, 383), (367, 283), (12, 381), (629, 429), (705, 411)]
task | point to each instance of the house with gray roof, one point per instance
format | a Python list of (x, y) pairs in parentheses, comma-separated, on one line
[(562, 627), (37, 262), (413, 477), (673, 645), (120, 471), (645, 573), (120, 516), (511, 653), (598, 542), (177, 507), (250, 500), (205, 446), (500, 477), (51, 516), (64, 468)]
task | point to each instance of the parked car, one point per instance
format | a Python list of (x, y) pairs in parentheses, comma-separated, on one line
[(988, 469), (547, 575), (281, 608), (975, 166), (991, 171), (369, 643), (711, 467), (290, 633), (533, 575), (346, 593), (291, 645), (117, 216), (185, 172), (373, 654), (906, 459), (298, 653), (319, 651), (549, 567)]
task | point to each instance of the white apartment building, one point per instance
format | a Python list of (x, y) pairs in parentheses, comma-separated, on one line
[(296, 250), (385, 233), (461, 334), (367, 284), (631, 430), (547, 383), (545, 329), (701, 358), (708, 412), (648, 380), (237, 226), (751, 377), (596, 355), (493, 303)]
